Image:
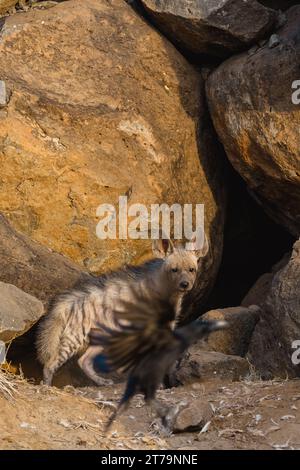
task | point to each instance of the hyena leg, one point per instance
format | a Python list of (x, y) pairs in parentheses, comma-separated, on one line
[(49, 371), (172, 378), (48, 375), (85, 362), (68, 348), (160, 408)]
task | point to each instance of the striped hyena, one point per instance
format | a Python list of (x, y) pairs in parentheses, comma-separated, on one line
[(65, 329)]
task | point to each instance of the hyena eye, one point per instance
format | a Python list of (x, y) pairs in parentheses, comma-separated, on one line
[(174, 270), (192, 270)]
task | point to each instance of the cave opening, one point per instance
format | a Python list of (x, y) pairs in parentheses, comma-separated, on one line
[(253, 244)]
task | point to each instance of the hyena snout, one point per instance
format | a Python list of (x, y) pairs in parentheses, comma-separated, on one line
[(184, 285)]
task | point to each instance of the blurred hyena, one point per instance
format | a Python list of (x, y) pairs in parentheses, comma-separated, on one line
[(65, 330)]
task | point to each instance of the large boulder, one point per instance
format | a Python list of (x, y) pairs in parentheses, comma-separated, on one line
[(18, 312), (214, 27), (271, 348), (250, 99), (32, 267), (236, 338), (209, 365), (101, 105)]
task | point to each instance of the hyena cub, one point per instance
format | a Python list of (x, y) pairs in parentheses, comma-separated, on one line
[(64, 331)]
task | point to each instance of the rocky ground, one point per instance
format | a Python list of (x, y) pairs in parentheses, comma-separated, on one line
[(243, 415)]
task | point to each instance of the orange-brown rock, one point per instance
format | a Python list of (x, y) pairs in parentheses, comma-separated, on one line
[(5, 5), (236, 338), (101, 105), (34, 268)]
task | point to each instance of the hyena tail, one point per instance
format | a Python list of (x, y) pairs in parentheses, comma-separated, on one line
[(61, 334)]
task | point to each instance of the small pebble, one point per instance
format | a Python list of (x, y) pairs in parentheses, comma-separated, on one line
[(274, 41)]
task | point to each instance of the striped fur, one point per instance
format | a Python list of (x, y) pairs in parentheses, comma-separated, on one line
[(64, 332)]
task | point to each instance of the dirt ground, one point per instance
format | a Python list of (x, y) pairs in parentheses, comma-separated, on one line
[(247, 415)]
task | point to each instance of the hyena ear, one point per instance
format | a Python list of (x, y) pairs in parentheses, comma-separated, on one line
[(162, 248), (202, 252)]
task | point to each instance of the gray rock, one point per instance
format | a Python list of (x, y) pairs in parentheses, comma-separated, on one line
[(274, 41), (214, 27), (3, 94), (193, 416), (271, 347), (18, 311), (236, 339), (2, 352)]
